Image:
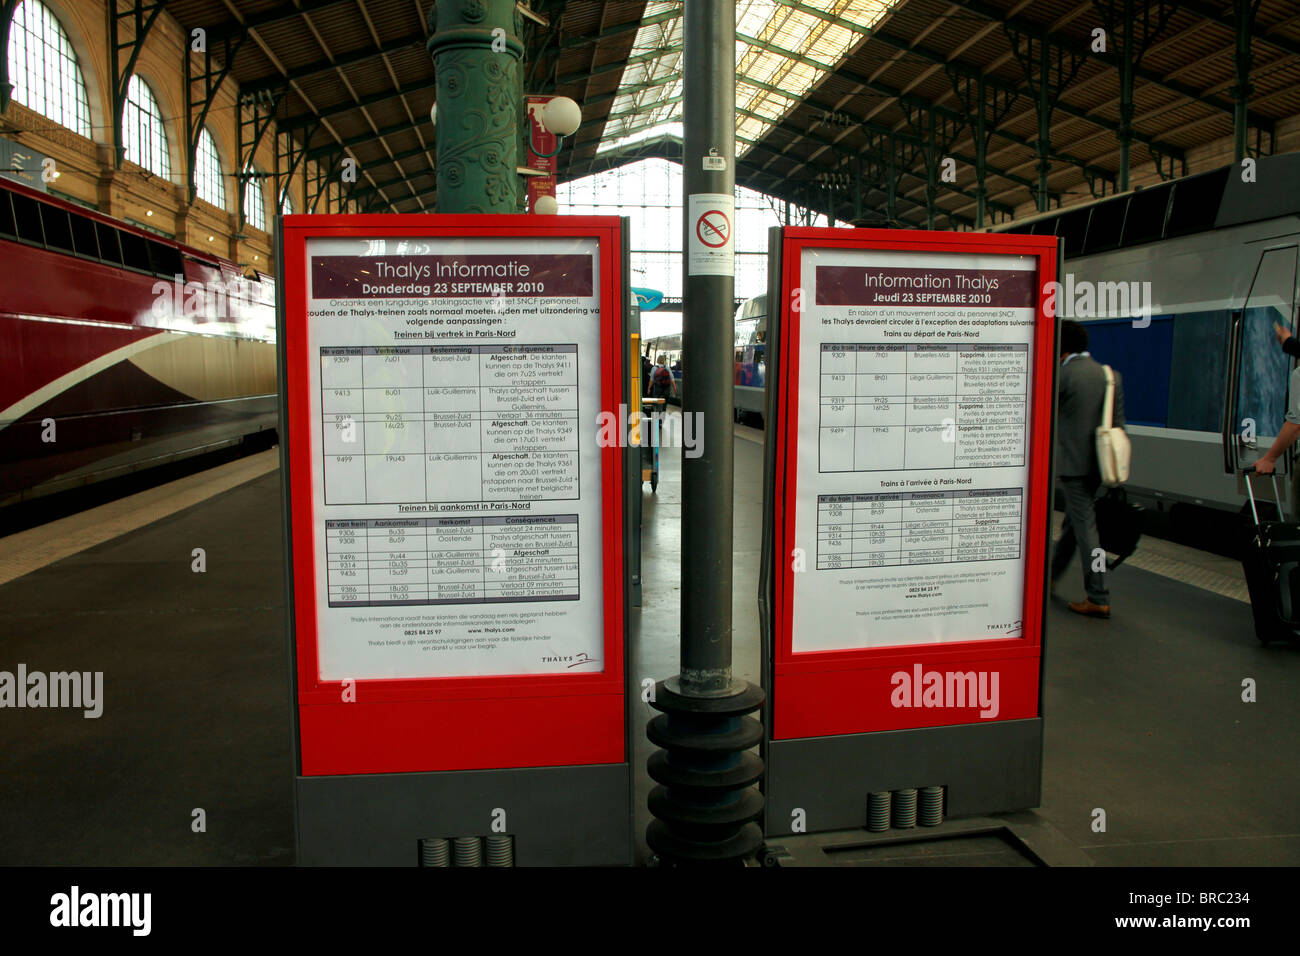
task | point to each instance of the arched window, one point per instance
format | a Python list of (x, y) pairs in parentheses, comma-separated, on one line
[(254, 206), (43, 68), (286, 207), (142, 129), (208, 183)]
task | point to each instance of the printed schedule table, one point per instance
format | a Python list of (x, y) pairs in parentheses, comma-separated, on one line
[(440, 423), (496, 559), (891, 406), (890, 529)]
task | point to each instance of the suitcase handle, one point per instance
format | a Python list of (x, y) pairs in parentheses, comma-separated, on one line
[(1250, 493)]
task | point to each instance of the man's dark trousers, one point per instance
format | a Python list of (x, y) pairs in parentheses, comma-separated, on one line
[(1079, 531)]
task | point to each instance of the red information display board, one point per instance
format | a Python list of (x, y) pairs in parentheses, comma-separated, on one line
[(912, 473), (456, 530)]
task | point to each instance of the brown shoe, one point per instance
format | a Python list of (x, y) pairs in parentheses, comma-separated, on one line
[(1089, 609)]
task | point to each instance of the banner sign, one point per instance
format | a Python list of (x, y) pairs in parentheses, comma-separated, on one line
[(914, 407), (457, 529)]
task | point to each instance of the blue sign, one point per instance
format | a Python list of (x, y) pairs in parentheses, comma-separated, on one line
[(648, 299)]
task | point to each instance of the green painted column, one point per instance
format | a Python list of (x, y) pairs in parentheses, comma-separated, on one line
[(476, 54)]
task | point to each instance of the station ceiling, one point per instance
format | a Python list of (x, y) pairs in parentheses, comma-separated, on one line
[(827, 90)]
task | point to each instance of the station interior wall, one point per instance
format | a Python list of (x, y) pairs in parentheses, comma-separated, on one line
[(132, 193)]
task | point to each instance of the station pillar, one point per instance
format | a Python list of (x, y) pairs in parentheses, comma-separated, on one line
[(476, 52)]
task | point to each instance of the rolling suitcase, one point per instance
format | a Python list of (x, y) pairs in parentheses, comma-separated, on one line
[(1271, 558)]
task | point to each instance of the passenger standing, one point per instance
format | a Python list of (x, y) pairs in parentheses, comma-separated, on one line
[(661, 380), (1081, 392), (1290, 430)]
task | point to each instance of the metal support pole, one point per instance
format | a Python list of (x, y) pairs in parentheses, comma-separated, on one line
[(705, 803), (116, 91), (857, 186), (7, 10), (708, 339), (1125, 129), (931, 161), (981, 150), (1044, 124), (476, 55), (891, 185), (1243, 16)]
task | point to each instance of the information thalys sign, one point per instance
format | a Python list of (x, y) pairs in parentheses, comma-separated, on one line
[(456, 531), (912, 479)]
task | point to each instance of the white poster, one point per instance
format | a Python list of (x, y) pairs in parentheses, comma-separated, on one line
[(455, 389), (710, 237), (913, 424)]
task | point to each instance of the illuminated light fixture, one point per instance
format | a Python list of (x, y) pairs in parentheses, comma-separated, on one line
[(433, 114), (545, 206), (560, 117), (254, 257), (148, 212), (211, 238)]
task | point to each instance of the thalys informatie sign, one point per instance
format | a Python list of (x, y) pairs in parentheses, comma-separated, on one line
[(914, 422), (456, 540)]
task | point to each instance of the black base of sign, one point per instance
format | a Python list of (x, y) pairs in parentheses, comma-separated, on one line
[(985, 768), (558, 816)]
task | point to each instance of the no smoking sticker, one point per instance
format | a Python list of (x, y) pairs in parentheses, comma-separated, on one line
[(711, 239), (714, 228)]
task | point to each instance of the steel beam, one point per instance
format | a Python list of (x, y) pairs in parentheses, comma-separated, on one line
[(1039, 32), (7, 10), (253, 87), (143, 18), (211, 78), (303, 120), (1219, 14)]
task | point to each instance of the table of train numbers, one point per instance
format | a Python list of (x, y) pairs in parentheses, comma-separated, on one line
[(479, 559), (895, 406), (449, 423), (891, 529)]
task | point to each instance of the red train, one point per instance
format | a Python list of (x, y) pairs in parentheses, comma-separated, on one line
[(120, 350)]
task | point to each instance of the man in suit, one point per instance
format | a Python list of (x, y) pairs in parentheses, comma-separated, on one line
[(1081, 391)]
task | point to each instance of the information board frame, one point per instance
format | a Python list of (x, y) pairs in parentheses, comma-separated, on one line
[(463, 723), (847, 691)]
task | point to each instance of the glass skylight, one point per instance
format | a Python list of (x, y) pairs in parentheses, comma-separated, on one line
[(783, 49)]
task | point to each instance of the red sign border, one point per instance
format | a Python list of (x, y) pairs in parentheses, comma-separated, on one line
[(827, 693), (453, 723)]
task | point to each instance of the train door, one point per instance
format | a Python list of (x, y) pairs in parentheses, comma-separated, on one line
[(1258, 385)]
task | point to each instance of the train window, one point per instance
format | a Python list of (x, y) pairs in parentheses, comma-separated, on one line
[(1195, 203), (1147, 211), (1142, 356), (135, 251), (1071, 227), (58, 234), (109, 250), (83, 236), (1200, 358), (27, 219), (166, 260), (1106, 226), (6, 215)]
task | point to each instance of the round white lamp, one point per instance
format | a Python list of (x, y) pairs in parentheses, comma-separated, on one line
[(546, 206), (433, 114), (561, 116)]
